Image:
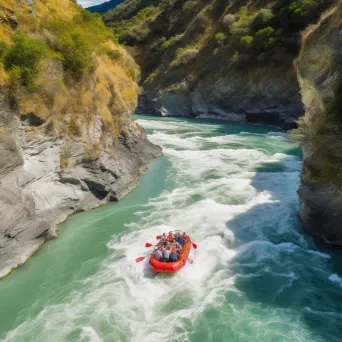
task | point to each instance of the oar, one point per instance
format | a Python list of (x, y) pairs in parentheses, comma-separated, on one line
[(190, 261), (194, 245), (147, 244), (141, 258), (158, 237)]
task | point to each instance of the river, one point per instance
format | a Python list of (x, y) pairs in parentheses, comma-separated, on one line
[(256, 275)]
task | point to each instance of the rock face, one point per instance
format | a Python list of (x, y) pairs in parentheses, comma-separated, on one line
[(319, 73), (36, 194), (67, 142), (231, 60)]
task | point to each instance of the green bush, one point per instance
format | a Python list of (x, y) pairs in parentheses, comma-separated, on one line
[(76, 54), (3, 49), (264, 38), (235, 57), (246, 41), (263, 17), (302, 8), (114, 55), (242, 26), (25, 54), (179, 52), (167, 43), (219, 37), (134, 74)]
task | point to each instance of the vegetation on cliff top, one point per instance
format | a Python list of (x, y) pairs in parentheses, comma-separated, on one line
[(243, 31), (61, 64)]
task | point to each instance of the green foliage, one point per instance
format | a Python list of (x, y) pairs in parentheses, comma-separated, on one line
[(166, 43), (25, 55), (246, 41), (114, 55), (134, 74), (134, 27), (235, 57), (3, 49), (242, 26), (14, 77), (180, 52), (219, 37), (263, 17), (303, 8), (265, 38), (76, 54)]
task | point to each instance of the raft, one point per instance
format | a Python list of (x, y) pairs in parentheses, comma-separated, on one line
[(171, 267)]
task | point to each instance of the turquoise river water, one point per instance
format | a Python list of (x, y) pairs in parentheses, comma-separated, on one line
[(256, 275)]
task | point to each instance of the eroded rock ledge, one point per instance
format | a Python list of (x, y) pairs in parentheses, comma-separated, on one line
[(36, 193)]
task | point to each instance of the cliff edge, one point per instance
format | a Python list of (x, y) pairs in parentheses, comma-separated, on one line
[(67, 142)]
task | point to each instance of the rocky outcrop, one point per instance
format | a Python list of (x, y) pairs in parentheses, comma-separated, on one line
[(67, 142), (36, 193), (319, 73)]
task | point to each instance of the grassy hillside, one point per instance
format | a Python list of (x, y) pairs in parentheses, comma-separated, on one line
[(234, 55), (60, 64)]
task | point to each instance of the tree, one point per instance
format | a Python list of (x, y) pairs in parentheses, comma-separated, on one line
[(25, 55), (76, 54)]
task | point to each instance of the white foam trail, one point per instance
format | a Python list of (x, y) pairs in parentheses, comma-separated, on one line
[(89, 334), (335, 278)]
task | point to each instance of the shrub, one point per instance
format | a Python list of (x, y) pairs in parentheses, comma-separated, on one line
[(134, 74), (114, 55), (167, 43), (219, 37), (264, 38), (14, 77), (242, 26), (228, 20), (303, 8), (262, 19), (76, 54), (246, 41), (235, 57), (3, 49), (25, 55), (185, 55)]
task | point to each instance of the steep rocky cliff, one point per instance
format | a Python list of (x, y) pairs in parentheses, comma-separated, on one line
[(67, 142), (319, 72), (225, 59)]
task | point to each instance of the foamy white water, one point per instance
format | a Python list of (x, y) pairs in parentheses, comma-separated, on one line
[(234, 192)]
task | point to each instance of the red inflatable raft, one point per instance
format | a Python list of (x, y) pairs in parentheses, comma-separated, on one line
[(171, 267)]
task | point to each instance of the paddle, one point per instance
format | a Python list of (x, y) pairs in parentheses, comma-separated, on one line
[(141, 258), (190, 261), (194, 245), (158, 237), (147, 244)]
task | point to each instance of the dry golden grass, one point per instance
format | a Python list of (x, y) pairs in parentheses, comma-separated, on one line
[(105, 91)]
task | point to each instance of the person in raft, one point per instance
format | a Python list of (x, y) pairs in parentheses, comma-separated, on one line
[(164, 239), (173, 255), (167, 253), (159, 253), (179, 239), (170, 236)]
